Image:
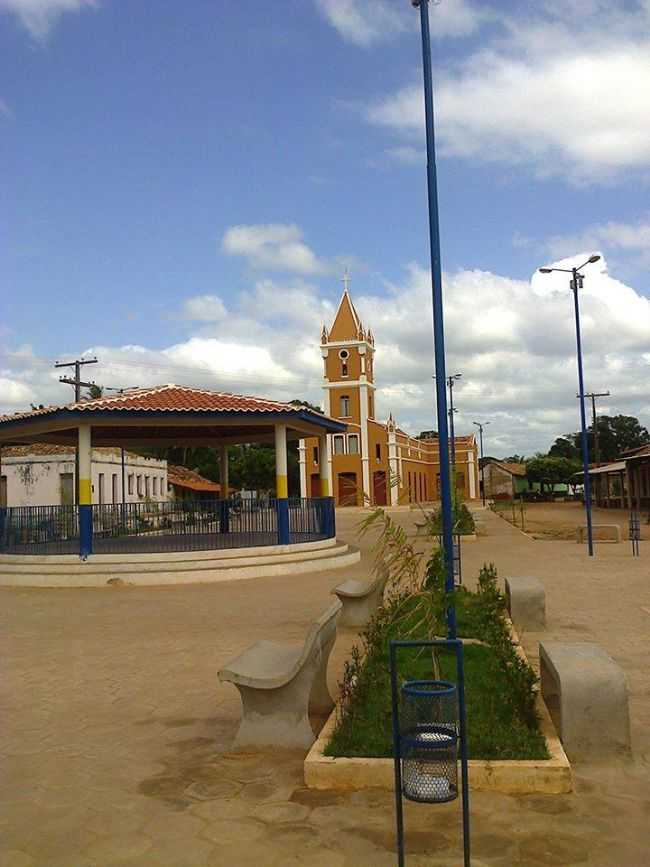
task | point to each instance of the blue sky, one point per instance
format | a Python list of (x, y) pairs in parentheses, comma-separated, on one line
[(136, 136)]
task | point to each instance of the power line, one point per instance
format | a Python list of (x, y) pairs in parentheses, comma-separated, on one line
[(594, 395), (76, 382)]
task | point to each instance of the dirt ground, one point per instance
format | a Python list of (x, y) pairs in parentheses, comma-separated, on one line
[(116, 735), (560, 520)]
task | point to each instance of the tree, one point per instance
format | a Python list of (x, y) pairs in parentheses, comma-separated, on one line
[(616, 434), (305, 403), (95, 391), (515, 459), (566, 447), (549, 470)]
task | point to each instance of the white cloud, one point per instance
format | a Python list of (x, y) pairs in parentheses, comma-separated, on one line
[(366, 22), (275, 246), (631, 240), (513, 341), (204, 308), (564, 95), (39, 16)]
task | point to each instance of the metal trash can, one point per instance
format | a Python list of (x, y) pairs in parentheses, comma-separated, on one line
[(429, 741)]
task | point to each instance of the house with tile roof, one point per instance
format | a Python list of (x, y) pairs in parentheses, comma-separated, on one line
[(374, 462), (504, 480), (42, 474)]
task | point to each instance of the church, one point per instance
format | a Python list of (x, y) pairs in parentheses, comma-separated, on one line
[(374, 463)]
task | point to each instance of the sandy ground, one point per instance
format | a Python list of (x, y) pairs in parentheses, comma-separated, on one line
[(559, 520), (116, 733)]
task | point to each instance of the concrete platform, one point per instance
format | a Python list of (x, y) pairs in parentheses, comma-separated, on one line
[(192, 567)]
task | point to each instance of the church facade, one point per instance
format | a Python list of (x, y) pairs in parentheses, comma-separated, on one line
[(373, 463)]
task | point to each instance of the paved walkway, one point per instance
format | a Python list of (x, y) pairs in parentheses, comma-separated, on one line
[(115, 732)]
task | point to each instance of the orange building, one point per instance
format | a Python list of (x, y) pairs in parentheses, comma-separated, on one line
[(373, 463)]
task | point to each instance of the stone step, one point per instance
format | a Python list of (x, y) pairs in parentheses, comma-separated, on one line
[(337, 556)]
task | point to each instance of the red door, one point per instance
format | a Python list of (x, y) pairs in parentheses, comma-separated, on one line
[(315, 485), (347, 489), (379, 488)]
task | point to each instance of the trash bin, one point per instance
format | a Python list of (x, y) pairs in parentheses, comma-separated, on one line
[(429, 741)]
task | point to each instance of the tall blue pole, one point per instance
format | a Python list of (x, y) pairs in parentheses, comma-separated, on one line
[(583, 420), (438, 321)]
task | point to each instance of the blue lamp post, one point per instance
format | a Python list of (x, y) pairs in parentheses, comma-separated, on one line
[(438, 322), (576, 283)]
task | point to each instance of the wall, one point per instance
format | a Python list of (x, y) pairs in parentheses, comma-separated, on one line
[(35, 480)]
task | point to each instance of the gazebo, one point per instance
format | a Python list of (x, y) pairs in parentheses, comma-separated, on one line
[(164, 416)]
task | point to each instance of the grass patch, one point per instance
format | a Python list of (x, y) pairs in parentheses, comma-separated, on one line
[(499, 687)]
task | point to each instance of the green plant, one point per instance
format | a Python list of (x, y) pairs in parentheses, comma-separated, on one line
[(462, 521)]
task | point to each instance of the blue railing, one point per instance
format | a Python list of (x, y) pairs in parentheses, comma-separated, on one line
[(181, 525)]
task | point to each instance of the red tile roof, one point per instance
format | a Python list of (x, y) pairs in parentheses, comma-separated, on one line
[(170, 398), (185, 478), (513, 469)]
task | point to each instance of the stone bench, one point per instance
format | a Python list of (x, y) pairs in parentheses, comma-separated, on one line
[(279, 685), (601, 533), (361, 599), (526, 601), (586, 694)]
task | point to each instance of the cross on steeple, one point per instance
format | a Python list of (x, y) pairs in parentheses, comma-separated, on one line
[(346, 280)]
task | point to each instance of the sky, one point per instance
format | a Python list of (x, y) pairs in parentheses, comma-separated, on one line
[(184, 184)]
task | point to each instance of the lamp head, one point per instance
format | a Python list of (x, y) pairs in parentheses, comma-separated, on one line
[(594, 258), (545, 270)]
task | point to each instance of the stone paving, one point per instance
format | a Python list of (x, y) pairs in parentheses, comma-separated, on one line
[(116, 734)]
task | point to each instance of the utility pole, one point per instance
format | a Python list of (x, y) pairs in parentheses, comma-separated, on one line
[(450, 382), (593, 395), (76, 382), (78, 385)]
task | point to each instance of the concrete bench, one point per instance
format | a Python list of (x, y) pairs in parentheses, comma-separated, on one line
[(601, 532), (361, 599), (279, 685), (526, 601), (586, 694)]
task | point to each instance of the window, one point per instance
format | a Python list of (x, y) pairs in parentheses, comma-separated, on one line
[(345, 405), (378, 451), (339, 444), (146, 486), (101, 487), (3, 490), (344, 368), (67, 488), (460, 481), (162, 487), (114, 497), (371, 406), (130, 483), (155, 486), (138, 481), (353, 444)]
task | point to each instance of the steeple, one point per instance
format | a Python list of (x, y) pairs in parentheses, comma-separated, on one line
[(346, 325)]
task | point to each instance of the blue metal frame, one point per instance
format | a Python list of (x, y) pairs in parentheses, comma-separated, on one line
[(457, 646), (438, 320), (180, 525)]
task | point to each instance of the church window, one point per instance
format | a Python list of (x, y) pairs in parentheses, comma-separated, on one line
[(339, 444), (345, 406), (315, 454), (344, 368), (371, 406), (378, 451), (353, 444)]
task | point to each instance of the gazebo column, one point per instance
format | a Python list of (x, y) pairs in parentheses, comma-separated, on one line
[(84, 451), (225, 488), (324, 464), (282, 483)]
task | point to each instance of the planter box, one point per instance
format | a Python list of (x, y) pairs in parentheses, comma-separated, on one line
[(512, 777)]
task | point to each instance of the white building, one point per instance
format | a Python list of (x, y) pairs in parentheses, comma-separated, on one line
[(43, 475)]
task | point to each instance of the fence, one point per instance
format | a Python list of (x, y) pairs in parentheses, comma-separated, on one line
[(511, 510), (182, 525)]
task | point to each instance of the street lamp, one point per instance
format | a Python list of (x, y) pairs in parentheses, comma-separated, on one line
[(576, 283), (480, 425)]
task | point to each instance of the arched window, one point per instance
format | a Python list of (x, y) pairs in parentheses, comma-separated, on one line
[(345, 406)]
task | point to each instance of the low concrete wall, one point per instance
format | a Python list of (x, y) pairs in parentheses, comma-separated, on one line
[(601, 533)]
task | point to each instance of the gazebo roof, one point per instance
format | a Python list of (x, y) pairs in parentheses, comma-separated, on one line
[(166, 413)]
